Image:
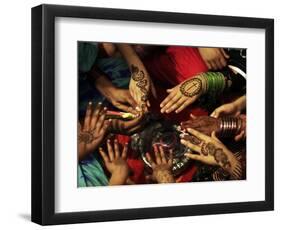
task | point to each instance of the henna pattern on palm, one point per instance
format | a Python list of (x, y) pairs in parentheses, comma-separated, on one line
[(191, 87), (87, 136)]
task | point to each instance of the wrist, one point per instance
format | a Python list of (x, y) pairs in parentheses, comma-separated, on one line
[(164, 176), (117, 179), (229, 126)]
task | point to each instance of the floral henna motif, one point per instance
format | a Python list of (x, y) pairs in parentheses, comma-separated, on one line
[(208, 149), (191, 87), (87, 137)]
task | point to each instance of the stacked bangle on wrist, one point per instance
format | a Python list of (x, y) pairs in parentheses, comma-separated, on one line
[(230, 126), (215, 82)]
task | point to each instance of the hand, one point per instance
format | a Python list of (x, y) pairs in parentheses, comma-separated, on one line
[(242, 135), (115, 163), (140, 86), (214, 58), (93, 131), (203, 124), (230, 109), (211, 151), (127, 127), (162, 166), (122, 99), (183, 95)]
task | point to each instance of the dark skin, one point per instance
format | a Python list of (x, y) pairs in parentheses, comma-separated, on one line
[(161, 166), (120, 98), (93, 130), (127, 127), (203, 124)]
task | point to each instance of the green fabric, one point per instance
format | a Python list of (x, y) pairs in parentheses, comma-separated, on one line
[(87, 55), (90, 172)]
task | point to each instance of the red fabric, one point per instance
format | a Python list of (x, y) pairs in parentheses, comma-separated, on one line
[(175, 64)]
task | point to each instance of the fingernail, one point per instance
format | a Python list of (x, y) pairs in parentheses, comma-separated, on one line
[(90, 103), (105, 108)]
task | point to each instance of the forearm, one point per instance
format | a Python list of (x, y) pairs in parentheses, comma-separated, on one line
[(234, 168), (131, 57), (101, 82), (240, 103)]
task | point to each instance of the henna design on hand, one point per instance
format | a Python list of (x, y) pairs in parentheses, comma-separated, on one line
[(191, 87), (192, 139), (218, 154), (139, 77), (87, 136), (208, 149)]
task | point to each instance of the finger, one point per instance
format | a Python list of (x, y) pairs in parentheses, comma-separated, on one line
[(185, 104), (149, 159), (239, 136), (194, 156), (132, 123), (170, 160), (95, 116), (172, 93), (237, 113), (217, 112), (88, 116), (193, 147), (176, 105), (193, 117), (105, 128), (153, 90), (224, 53), (103, 155), (132, 101), (125, 151), (157, 154), (123, 107), (162, 155), (198, 134), (213, 135), (169, 90), (222, 62), (218, 64), (100, 122), (148, 103), (168, 105), (110, 150), (116, 149), (214, 66)]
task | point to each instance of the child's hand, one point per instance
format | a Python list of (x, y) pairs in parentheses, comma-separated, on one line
[(93, 131), (162, 166), (116, 163)]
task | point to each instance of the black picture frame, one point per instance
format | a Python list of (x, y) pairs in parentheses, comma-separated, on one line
[(43, 114)]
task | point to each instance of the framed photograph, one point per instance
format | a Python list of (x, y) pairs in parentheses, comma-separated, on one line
[(142, 114)]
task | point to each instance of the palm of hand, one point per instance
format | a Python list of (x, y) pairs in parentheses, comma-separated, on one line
[(117, 165)]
